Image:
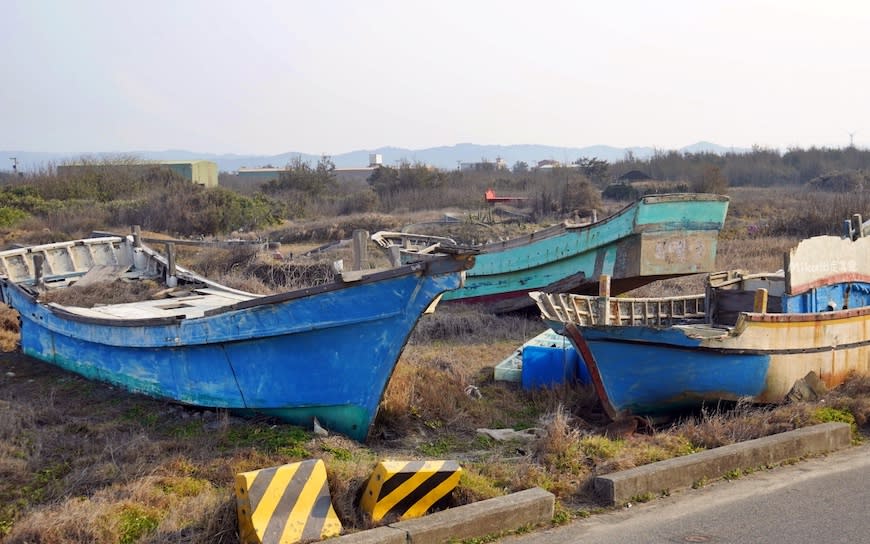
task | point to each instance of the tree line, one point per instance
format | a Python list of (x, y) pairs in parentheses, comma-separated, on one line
[(160, 200)]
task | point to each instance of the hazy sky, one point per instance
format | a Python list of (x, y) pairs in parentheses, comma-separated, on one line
[(319, 76)]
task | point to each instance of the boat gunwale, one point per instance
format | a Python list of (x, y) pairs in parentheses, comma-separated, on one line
[(425, 267), (743, 320), (845, 277), (846, 313), (277, 298), (740, 276), (686, 329), (565, 227), (684, 197)]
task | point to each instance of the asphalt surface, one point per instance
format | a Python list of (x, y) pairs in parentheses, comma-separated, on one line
[(823, 499)]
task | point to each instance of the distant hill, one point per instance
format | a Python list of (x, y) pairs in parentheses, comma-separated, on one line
[(445, 157)]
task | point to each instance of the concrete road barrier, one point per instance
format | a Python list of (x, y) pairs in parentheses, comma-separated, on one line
[(478, 519), (408, 489), (681, 472)]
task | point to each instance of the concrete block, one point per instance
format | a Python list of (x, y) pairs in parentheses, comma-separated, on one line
[(408, 489), (285, 504), (378, 535), (682, 472), (481, 518)]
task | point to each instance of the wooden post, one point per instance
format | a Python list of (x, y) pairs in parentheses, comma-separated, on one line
[(38, 276), (604, 299), (395, 256), (137, 235), (171, 280), (360, 249), (604, 285), (760, 304), (710, 303), (847, 229)]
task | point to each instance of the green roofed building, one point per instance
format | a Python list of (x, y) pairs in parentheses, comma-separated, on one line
[(200, 172)]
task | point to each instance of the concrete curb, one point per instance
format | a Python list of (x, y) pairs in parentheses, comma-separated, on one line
[(682, 472), (478, 519), (534, 506)]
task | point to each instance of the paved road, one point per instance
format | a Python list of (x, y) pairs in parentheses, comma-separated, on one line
[(822, 500)]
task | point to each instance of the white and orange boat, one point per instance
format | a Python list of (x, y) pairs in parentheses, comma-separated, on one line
[(750, 336)]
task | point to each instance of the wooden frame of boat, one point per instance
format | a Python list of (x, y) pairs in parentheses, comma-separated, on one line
[(326, 351), (586, 310)]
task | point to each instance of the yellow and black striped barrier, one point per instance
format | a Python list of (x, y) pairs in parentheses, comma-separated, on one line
[(408, 489), (285, 504)]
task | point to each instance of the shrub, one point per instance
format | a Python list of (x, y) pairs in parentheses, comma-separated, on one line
[(360, 202), (468, 323), (10, 216), (134, 523), (621, 191), (812, 213), (565, 191), (827, 414), (849, 181), (104, 180), (711, 180), (187, 209)]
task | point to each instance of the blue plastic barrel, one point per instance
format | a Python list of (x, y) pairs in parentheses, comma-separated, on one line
[(545, 366)]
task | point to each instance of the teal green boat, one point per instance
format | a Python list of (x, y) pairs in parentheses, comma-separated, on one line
[(657, 237)]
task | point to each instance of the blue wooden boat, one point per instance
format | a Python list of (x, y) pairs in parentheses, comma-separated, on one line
[(326, 351), (657, 237), (750, 336)]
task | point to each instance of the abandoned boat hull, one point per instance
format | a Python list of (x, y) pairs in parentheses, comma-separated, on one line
[(657, 237), (325, 352), (647, 371), (653, 370), (649, 376), (749, 336)]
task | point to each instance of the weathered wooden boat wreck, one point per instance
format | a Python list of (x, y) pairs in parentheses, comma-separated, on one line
[(657, 237), (750, 336), (326, 351)]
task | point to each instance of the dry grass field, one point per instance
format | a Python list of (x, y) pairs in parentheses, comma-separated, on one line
[(83, 462)]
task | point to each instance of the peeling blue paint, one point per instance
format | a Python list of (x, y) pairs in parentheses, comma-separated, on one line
[(328, 354)]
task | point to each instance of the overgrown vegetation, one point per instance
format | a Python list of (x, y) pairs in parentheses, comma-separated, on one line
[(124, 190), (119, 193), (760, 167), (83, 462)]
